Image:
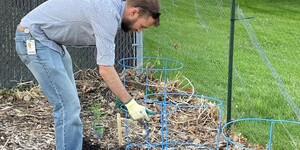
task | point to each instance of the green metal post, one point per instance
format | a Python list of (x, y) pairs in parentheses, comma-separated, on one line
[(230, 64)]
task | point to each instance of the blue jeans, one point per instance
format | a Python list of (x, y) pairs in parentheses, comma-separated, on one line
[(54, 73)]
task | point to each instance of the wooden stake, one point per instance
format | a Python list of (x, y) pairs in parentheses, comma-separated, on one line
[(119, 129)]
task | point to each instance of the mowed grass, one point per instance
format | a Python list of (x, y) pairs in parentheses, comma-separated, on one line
[(266, 77)]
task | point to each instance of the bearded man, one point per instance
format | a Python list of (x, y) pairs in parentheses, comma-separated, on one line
[(40, 39)]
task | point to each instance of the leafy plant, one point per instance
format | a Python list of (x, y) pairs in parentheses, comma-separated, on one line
[(98, 114)]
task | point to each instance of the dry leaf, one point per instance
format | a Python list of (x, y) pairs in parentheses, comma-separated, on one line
[(18, 95), (27, 97), (191, 129), (197, 141)]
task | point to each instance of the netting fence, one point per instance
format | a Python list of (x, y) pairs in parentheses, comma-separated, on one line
[(13, 71), (265, 84)]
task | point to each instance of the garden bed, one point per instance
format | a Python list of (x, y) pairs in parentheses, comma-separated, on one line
[(27, 123)]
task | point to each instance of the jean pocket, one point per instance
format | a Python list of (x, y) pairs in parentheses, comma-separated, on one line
[(22, 51)]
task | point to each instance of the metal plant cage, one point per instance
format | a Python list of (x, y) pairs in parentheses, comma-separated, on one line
[(256, 124), (171, 125)]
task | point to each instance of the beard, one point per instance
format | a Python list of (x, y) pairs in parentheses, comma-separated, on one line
[(126, 24)]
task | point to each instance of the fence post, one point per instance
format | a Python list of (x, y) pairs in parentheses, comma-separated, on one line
[(139, 48), (230, 61)]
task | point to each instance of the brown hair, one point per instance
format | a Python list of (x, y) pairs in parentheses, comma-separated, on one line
[(147, 7)]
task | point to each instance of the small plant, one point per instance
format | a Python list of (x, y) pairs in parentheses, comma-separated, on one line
[(98, 126), (98, 130)]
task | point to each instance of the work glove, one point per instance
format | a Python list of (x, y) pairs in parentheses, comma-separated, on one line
[(137, 111)]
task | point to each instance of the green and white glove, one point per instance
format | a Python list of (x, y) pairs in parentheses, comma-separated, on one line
[(137, 111)]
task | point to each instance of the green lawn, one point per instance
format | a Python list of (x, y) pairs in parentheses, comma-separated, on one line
[(266, 71)]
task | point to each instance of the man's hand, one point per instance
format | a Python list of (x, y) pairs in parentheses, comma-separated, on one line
[(137, 111)]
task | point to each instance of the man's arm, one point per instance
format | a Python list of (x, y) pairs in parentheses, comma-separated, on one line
[(112, 79)]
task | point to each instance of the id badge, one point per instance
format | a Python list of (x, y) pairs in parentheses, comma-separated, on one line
[(30, 44)]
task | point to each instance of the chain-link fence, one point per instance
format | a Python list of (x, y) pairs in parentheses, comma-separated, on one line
[(14, 71)]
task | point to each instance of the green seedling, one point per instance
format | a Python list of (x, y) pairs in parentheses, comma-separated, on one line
[(98, 125)]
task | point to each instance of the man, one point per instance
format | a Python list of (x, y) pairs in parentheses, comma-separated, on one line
[(40, 40)]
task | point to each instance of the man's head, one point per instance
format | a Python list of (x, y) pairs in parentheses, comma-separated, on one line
[(140, 14)]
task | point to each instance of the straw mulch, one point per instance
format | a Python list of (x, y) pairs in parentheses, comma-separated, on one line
[(26, 121)]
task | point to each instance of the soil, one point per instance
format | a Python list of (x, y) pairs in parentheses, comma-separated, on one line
[(27, 123)]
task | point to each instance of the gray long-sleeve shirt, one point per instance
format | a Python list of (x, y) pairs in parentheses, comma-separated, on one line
[(77, 22)]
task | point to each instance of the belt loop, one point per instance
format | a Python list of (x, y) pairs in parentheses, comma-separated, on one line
[(26, 30)]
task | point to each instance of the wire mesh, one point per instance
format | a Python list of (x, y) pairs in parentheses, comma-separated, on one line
[(269, 134), (195, 32), (266, 45)]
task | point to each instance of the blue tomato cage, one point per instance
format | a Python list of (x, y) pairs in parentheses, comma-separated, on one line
[(167, 126), (256, 127)]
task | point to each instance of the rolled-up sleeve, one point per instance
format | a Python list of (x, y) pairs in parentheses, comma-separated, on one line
[(105, 27)]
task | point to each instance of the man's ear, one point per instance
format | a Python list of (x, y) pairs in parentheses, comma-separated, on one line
[(134, 12)]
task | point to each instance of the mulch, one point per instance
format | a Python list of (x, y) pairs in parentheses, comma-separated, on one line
[(27, 123)]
